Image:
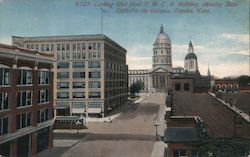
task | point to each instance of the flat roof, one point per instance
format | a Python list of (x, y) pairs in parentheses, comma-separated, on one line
[(68, 37), (179, 134)]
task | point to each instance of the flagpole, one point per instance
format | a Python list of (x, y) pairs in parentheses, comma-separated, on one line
[(101, 21)]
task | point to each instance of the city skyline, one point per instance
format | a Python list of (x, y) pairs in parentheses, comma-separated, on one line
[(220, 38)]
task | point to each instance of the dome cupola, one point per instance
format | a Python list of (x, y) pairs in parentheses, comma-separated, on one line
[(162, 37), (190, 62)]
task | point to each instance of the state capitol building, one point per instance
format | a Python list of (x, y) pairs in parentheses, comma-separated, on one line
[(163, 76)]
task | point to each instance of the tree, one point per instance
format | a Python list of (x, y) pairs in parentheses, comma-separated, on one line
[(136, 87)]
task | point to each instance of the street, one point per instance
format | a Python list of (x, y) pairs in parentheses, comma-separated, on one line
[(132, 134)]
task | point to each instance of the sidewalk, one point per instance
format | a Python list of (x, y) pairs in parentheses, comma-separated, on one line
[(159, 146)]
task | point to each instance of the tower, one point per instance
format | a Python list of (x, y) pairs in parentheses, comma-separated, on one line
[(162, 55), (190, 62), (208, 71)]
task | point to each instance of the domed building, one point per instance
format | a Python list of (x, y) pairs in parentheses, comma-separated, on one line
[(157, 78), (163, 77), (162, 51), (190, 62)]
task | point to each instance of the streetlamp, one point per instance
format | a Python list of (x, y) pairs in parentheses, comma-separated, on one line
[(109, 109), (156, 132)]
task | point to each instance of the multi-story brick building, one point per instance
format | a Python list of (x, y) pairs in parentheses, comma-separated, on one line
[(91, 74), (26, 101)]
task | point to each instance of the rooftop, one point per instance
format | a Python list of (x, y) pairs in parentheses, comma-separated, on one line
[(217, 117), (240, 100), (66, 37), (173, 135)]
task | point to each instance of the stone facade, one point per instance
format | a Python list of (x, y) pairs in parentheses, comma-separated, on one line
[(90, 75)]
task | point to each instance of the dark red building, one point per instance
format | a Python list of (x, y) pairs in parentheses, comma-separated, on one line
[(26, 101)]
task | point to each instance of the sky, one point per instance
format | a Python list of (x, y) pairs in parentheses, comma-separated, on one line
[(220, 36)]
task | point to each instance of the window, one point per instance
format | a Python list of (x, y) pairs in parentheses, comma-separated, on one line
[(90, 55), (78, 84), (94, 95), (23, 120), (95, 105), (94, 55), (179, 152), (58, 47), (4, 125), (24, 77), (94, 46), (78, 74), (43, 115), (67, 47), (90, 46), (24, 98), (62, 75), (83, 55), (78, 46), (62, 65), (78, 95), (94, 64), (52, 47), (62, 85), (4, 101), (194, 153), (43, 47), (78, 55), (78, 65), (186, 87), (44, 77), (74, 47), (177, 87), (94, 85), (43, 96), (83, 46), (62, 95), (74, 55), (98, 46), (95, 74), (63, 47), (37, 47), (32, 46), (58, 55), (47, 47), (79, 105), (67, 55), (4, 76)]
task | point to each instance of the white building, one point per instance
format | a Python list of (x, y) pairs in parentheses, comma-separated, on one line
[(90, 75), (157, 79)]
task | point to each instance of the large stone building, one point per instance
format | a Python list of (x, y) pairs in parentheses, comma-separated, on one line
[(158, 78), (90, 75), (26, 101)]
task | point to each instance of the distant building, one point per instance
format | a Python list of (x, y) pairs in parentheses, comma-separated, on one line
[(226, 85), (191, 80), (91, 75), (163, 77), (26, 101), (158, 78)]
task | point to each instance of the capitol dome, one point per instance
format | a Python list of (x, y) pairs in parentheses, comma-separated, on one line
[(162, 37)]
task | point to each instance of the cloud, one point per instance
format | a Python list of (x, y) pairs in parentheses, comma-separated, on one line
[(236, 37), (140, 50), (138, 62)]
